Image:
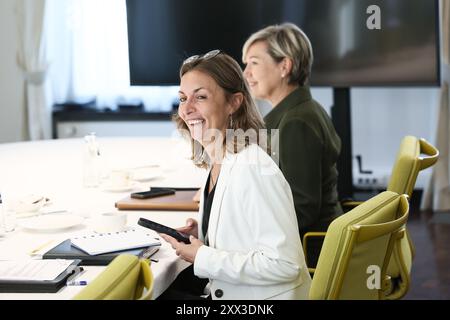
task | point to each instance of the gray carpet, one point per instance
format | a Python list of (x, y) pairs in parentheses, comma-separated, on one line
[(440, 217)]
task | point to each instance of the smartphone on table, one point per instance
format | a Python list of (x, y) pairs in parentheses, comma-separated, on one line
[(153, 193)]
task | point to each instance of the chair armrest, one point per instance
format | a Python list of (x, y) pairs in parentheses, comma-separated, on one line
[(305, 241), (146, 280), (429, 150), (351, 204)]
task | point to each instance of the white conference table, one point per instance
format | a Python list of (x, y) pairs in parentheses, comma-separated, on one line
[(54, 169)]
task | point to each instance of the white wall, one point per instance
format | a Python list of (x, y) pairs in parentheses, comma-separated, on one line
[(381, 117), (12, 108)]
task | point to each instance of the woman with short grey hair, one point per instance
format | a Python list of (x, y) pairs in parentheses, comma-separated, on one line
[(286, 40), (278, 62)]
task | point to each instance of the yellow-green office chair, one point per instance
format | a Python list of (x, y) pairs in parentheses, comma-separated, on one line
[(125, 278), (404, 174), (407, 166), (409, 163), (357, 249)]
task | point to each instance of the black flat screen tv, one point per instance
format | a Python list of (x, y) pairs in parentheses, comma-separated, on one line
[(404, 52)]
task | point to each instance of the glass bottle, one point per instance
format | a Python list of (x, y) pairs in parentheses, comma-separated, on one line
[(91, 162)]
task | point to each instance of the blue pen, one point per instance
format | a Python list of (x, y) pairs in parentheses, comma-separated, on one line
[(77, 283)]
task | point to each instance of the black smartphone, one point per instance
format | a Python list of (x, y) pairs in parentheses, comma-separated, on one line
[(164, 229), (153, 193)]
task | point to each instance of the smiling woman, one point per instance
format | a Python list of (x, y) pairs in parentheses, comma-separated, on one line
[(246, 207), (214, 98)]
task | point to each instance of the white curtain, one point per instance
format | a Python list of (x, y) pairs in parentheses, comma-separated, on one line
[(33, 60), (445, 5), (437, 195), (89, 49)]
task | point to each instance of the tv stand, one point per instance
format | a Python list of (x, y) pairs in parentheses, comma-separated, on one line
[(341, 116)]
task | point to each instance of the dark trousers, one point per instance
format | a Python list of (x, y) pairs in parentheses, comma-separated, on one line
[(187, 286), (314, 244)]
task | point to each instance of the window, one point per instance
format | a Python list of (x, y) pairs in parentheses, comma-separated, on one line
[(88, 47)]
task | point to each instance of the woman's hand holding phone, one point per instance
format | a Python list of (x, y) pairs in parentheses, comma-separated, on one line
[(191, 228), (187, 252)]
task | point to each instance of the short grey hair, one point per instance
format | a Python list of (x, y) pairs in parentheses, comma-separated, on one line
[(286, 41)]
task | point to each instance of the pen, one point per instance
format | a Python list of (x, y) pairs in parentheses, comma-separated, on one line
[(77, 283)]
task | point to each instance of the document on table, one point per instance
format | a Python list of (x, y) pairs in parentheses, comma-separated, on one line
[(98, 243), (33, 270)]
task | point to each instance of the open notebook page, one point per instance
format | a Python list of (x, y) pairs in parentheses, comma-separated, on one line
[(98, 243), (33, 270)]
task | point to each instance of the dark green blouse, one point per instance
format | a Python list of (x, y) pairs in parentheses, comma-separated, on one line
[(308, 151)]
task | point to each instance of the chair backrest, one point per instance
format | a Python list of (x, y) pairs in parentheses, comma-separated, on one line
[(410, 161), (356, 244), (125, 278)]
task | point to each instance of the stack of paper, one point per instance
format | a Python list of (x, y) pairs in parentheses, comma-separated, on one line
[(33, 270)]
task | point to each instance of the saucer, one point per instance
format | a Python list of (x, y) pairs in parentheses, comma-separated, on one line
[(145, 174), (51, 222), (20, 215), (130, 186)]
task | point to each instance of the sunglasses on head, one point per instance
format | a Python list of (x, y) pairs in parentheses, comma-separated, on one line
[(206, 56)]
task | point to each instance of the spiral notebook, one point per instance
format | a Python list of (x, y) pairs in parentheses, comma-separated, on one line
[(99, 243)]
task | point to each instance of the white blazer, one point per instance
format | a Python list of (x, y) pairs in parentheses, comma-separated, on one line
[(254, 248)]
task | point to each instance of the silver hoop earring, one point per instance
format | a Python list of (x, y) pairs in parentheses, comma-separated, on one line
[(231, 121)]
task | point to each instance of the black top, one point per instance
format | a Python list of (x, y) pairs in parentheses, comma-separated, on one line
[(207, 204)]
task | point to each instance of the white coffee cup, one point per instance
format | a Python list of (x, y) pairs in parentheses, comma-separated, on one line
[(109, 222), (119, 178), (29, 203)]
